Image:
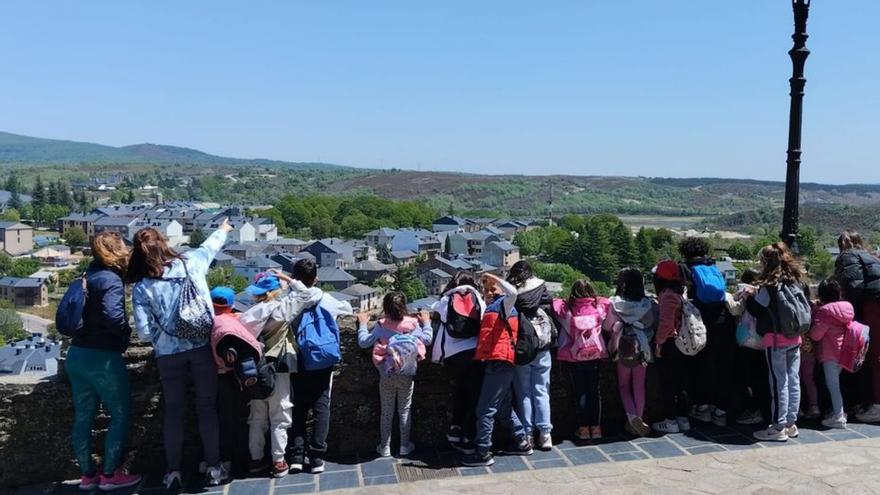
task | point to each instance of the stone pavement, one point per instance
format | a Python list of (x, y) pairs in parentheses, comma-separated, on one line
[(710, 459)]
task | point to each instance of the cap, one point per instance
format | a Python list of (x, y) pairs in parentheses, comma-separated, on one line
[(263, 283), (668, 270), (222, 296)]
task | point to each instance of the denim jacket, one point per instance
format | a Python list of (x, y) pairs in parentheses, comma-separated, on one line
[(155, 299)]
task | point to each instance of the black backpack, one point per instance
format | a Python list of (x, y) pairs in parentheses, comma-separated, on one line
[(264, 383), (463, 315), (527, 342)]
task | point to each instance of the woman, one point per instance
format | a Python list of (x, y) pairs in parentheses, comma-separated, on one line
[(158, 274), (96, 369), (531, 386), (461, 306), (859, 275)]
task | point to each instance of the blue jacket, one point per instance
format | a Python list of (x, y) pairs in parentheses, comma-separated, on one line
[(104, 318)]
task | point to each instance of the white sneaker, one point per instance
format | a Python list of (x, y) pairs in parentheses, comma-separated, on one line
[(835, 421), (666, 426), (771, 434), (383, 450), (684, 424), (216, 476), (792, 431), (407, 449), (172, 480), (545, 441), (870, 415)]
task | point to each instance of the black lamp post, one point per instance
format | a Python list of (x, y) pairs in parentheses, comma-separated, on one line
[(798, 54)]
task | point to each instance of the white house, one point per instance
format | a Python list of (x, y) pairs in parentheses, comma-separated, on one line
[(500, 253)]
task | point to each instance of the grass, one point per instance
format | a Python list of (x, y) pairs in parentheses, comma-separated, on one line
[(47, 312)]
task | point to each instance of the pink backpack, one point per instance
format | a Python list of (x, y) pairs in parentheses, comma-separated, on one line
[(855, 346), (585, 341)]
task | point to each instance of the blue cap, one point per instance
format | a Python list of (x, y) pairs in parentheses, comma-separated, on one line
[(263, 283), (222, 296)]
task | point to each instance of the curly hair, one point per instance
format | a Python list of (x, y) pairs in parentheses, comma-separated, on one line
[(694, 247), (779, 266)]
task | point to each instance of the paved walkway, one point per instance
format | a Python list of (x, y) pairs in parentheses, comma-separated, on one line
[(708, 460)]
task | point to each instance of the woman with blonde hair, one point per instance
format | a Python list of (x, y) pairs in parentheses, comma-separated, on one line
[(96, 369)]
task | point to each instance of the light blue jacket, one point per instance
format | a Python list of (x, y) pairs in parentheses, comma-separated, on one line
[(155, 299)]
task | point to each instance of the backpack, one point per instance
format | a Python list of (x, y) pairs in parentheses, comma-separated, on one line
[(585, 332), (195, 320), (632, 350), (747, 332), (257, 379), (792, 315), (526, 342), (317, 336), (463, 316), (402, 355), (69, 315), (855, 346), (709, 284), (544, 328), (691, 338)]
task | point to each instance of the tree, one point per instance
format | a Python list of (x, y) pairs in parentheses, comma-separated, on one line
[(405, 280), (224, 276), (624, 246), (807, 240), (739, 250), (75, 236), (11, 326), (10, 215), (39, 194), (529, 242), (52, 196), (647, 255), (197, 237), (821, 264), (23, 267), (129, 197)]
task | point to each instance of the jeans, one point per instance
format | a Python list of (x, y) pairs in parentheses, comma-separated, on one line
[(99, 377), (785, 388), (395, 392), (272, 414), (495, 400), (832, 381), (468, 377), (175, 370), (674, 379), (583, 382), (311, 392), (531, 389), (631, 385), (808, 378)]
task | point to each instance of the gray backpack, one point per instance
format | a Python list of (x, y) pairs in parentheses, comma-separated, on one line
[(792, 315)]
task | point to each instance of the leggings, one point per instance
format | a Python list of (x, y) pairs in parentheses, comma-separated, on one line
[(808, 378), (468, 376), (395, 390), (99, 377), (631, 384), (674, 377), (583, 382), (175, 371)]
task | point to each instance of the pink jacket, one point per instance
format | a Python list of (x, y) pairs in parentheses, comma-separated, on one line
[(829, 325), (384, 330), (581, 309), (228, 324)]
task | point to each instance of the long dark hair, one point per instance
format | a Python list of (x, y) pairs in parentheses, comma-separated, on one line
[(630, 284), (460, 278), (149, 256), (394, 305), (582, 289), (519, 273), (830, 291)]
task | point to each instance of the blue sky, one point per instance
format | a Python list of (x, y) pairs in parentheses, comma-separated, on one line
[(673, 88)]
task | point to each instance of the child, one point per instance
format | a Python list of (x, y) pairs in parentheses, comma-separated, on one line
[(233, 346), (751, 393), (269, 320), (673, 364), (312, 387), (808, 372), (531, 386), (581, 349), (396, 369), (778, 269), (495, 347), (830, 322), (631, 308)]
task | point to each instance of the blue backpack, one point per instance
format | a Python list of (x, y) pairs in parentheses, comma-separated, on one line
[(317, 337), (69, 315), (709, 283)]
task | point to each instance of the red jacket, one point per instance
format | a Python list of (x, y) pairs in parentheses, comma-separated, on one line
[(497, 334)]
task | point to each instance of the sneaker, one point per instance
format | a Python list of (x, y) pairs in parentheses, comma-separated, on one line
[(465, 448), (316, 464), (719, 417), (88, 483), (583, 433), (119, 479), (216, 476), (772, 434), (478, 459), (280, 469), (835, 421), (684, 424), (870, 414), (702, 413), (296, 462), (545, 441), (203, 467), (172, 480), (383, 450), (256, 467), (596, 432), (792, 431), (812, 412), (640, 428), (628, 427), (666, 426), (455, 434), (407, 449), (519, 447), (750, 418)]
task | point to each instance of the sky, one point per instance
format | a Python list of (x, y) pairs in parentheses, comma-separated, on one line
[(678, 88)]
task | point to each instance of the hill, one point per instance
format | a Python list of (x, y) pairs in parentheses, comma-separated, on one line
[(17, 149)]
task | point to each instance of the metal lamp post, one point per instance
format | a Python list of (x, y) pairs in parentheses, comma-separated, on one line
[(798, 54)]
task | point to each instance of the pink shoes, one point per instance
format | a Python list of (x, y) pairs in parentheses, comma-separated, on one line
[(119, 479)]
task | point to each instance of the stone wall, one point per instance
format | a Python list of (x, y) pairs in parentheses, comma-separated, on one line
[(35, 420)]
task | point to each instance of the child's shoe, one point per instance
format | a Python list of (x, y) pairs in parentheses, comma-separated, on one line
[(466, 447), (772, 434), (583, 433), (871, 414), (88, 483), (172, 480), (792, 431), (596, 432), (280, 469), (316, 464), (639, 427), (259, 466), (835, 421), (407, 449), (750, 418), (383, 450), (666, 426), (296, 462), (455, 434), (719, 417), (478, 459), (545, 441), (119, 479), (684, 424), (216, 476), (812, 413), (702, 413), (520, 446)]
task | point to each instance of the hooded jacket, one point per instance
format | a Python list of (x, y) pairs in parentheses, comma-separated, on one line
[(829, 326), (669, 309), (567, 313), (640, 314), (446, 345), (859, 274), (104, 318), (384, 329), (229, 325)]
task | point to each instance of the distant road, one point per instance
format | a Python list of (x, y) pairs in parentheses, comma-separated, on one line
[(34, 324)]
